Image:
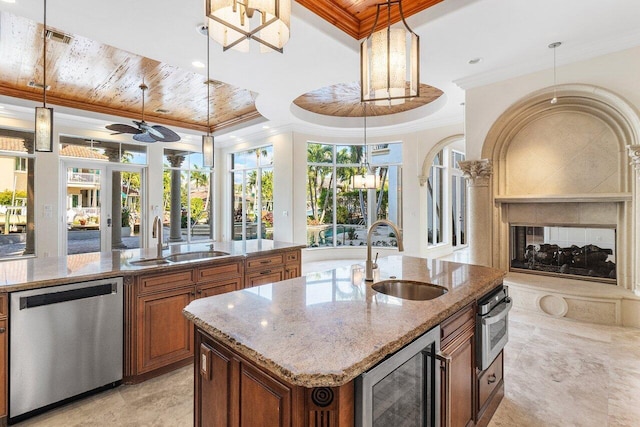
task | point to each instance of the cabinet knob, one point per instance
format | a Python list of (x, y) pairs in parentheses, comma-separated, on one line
[(199, 291), (193, 292), (3, 330), (491, 379)]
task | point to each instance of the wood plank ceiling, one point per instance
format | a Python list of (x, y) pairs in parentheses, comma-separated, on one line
[(88, 75)]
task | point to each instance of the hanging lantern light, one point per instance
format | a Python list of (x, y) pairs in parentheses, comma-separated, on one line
[(390, 61), (233, 22), (207, 140), (366, 179)]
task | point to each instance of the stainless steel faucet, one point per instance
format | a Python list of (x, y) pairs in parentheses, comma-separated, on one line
[(369, 264), (157, 233)]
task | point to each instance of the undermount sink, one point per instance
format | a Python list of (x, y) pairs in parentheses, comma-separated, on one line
[(190, 256), (409, 289), (150, 261)]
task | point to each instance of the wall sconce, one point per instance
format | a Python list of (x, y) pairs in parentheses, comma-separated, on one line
[(207, 140), (44, 115), (230, 23), (390, 62)]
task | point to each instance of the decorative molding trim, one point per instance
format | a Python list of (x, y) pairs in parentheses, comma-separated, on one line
[(567, 198), (634, 153), (477, 172)]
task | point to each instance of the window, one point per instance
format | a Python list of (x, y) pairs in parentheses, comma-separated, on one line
[(252, 178), (446, 192), (187, 196), (338, 214), (17, 165)]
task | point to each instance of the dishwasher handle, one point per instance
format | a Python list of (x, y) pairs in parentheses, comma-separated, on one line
[(64, 296)]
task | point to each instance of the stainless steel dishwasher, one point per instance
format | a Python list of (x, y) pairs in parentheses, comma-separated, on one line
[(64, 341)]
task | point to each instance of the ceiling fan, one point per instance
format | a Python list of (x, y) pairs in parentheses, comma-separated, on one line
[(145, 132)]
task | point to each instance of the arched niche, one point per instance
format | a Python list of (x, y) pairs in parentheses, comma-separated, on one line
[(571, 156)]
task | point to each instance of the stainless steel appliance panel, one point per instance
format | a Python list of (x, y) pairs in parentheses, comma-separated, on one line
[(64, 341), (492, 329), (403, 389)]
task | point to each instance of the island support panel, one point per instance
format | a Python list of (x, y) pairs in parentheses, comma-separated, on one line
[(232, 391)]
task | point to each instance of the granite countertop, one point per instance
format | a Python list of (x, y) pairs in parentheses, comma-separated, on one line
[(321, 330), (30, 273)]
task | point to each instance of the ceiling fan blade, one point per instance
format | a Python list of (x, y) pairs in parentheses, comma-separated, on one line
[(122, 128), (144, 137), (167, 134)]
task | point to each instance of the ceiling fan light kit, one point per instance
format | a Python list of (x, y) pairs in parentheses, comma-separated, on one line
[(390, 61), (232, 23), (143, 132)]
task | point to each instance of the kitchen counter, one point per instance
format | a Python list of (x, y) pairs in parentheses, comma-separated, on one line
[(321, 330), (30, 273)]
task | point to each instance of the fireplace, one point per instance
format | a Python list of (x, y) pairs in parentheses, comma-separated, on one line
[(567, 251)]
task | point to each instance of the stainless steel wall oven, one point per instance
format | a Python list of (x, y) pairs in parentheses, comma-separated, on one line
[(492, 332)]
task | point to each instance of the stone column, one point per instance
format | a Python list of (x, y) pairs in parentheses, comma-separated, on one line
[(116, 201), (176, 233), (478, 175), (30, 244), (634, 153)]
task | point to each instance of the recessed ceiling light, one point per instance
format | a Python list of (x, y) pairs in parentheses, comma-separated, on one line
[(1, 107), (265, 127), (161, 111), (9, 1), (232, 136), (474, 61), (198, 64)]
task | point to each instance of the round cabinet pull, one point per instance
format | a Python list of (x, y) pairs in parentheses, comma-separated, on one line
[(491, 379), (3, 330), (193, 292)]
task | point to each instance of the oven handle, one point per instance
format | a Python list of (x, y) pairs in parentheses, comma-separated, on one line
[(498, 313)]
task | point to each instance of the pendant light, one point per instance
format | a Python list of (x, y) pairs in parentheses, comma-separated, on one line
[(231, 22), (390, 61), (554, 46), (44, 115), (207, 140), (366, 180)]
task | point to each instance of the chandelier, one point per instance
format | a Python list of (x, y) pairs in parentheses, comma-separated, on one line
[(390, 61), (232, 23)]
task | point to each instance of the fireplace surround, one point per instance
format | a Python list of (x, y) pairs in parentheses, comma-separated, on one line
[(565, 164)]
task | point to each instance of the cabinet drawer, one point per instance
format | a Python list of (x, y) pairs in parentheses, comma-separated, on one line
[(461, 321), (292, 256), (219, 271), (217, 288), (3, 305), (164, 281), (265, 261), (489, 380), (263, 277)]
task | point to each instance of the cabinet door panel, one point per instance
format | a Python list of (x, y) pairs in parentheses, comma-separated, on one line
[(164, 334), (213, 382), (264, 402), (462, 379)]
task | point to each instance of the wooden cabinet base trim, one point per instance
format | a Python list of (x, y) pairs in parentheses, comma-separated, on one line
[(136, 379), (494, 401)]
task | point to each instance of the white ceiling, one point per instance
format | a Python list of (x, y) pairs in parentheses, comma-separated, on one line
[(511, 37)]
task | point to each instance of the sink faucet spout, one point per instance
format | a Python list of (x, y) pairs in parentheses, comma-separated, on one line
[(157, 233), (370, 264)]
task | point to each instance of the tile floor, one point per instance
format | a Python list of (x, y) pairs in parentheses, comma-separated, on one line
[(558, 373)]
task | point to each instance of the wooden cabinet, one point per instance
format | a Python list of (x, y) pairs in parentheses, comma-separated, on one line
[(292, 264), (490, 390), (165, 335), (272, 268), (4, 340), (232, 391), (161, 337), (225, 383), (459, 373)]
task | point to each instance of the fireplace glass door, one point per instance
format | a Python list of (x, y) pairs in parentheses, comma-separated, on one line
[(588, 253)]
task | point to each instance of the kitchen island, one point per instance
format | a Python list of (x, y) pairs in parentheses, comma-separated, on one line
[(294, 343)]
